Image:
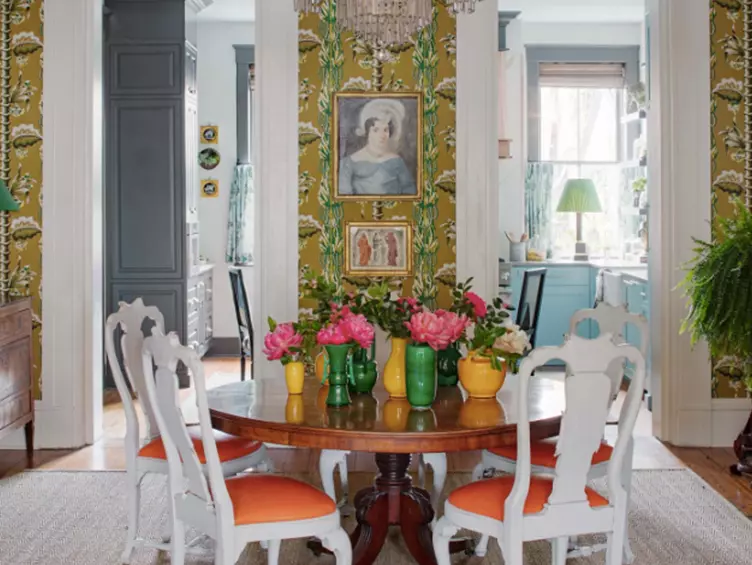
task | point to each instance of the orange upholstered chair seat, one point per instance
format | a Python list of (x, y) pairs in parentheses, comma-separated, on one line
[(543, 453), (487, 497), (272, 498), (229, 447)]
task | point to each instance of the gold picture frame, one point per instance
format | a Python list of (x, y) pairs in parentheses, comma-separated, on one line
[(209, 188), (378, 254), (404, 140), (209, 135)]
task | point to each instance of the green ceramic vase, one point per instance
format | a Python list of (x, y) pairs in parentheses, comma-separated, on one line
[(420, 362), (337, 356), (447, 366), (363, 371)]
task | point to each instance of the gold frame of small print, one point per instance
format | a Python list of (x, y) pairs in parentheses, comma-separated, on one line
[(379, 271), (205, 183), (214, 138)]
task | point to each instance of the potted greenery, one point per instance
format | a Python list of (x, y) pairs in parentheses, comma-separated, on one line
[(718, 287)]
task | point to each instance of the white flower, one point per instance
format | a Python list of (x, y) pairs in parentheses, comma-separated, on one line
[(515, 341)]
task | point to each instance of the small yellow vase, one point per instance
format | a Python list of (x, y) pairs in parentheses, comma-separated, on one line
[(294, 376), (394, 370), (479, 379), (480, 413), (320, 360), (396, 412), (294, 409)]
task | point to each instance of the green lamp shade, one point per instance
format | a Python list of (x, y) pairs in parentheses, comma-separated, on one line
[(579, 196), (7, 202)]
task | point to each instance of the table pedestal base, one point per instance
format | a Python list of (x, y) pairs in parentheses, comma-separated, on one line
[(394, 501)]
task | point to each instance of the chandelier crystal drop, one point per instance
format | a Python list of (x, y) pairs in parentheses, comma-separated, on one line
[(384, 22)]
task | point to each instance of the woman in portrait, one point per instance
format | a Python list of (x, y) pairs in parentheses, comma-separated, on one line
[(377, 169)]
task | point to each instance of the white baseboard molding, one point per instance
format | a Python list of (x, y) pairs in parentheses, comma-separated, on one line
[(51, 427), (728, 418)]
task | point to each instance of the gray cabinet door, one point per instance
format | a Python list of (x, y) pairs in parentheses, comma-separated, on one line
[(144, 192)]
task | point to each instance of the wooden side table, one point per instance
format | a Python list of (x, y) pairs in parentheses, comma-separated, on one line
[(16, 390)]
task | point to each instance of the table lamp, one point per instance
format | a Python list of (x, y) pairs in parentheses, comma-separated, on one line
[(579, 196), (7, 202)]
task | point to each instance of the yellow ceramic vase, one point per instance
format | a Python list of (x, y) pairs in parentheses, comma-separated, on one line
[(479, 379), (294, 376), (478, 413), (394, 370), (294, 409), (396, 412)]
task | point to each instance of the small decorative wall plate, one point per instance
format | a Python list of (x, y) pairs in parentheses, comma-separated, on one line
[(209, 158), (209, 188), (210, 134)]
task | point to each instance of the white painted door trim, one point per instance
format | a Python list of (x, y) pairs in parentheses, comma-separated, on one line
[(679, 173), (477, 149), (69, 414), (275, 274)]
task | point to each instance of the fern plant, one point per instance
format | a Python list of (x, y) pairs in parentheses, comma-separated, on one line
[(718, 287)]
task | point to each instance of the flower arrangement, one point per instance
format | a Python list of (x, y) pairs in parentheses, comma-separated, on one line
[(283, 343), (346, 327), (438, 329), (496, 337)]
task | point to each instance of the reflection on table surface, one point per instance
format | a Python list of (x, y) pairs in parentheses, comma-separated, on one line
[(266, 400)]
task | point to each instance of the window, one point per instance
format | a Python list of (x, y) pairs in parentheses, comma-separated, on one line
[(576, 103), (579, 134)]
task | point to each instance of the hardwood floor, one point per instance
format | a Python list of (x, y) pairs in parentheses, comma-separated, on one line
[(108, 454)]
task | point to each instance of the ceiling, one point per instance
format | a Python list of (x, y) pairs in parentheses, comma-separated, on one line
[(585, 11), (230, 11), (577, 11)]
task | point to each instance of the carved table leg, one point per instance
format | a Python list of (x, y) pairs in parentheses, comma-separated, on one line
[(394, 501)]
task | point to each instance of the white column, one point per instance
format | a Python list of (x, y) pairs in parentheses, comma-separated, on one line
[(72, 307), (477, 149), (680, 197), (275, 281)]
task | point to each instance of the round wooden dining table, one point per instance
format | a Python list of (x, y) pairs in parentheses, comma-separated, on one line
[(262, 410)]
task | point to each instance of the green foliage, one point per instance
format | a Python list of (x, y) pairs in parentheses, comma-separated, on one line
[(718, 288)]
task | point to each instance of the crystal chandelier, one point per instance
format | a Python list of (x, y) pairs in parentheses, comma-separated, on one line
[(384, 22)]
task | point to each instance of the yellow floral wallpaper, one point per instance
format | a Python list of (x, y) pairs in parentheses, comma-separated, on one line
[(21, 165), (332, 61), (727, 124)]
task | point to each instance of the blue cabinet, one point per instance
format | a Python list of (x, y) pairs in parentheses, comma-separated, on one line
[(636, 301), (567, 288)]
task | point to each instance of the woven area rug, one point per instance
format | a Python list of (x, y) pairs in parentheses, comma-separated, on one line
[(56, 518)]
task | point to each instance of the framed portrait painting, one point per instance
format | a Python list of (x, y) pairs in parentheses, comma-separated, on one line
[(378, 249), (378, 146)]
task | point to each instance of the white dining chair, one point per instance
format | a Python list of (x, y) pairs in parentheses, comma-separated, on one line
[(234, 511), (146, 453), (612, 320), (526, 507)]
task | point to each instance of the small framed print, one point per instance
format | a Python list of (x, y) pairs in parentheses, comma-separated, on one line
[(379, 249), (209, 188), (210, 134)]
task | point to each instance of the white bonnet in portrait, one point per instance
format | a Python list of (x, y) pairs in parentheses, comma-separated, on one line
[(383, 110)]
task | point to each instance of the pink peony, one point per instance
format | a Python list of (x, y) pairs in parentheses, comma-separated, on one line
[(332, 335), (454, 326), (339, 312), (278, 343), (479, 305), (357, 328), (427, 327)]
